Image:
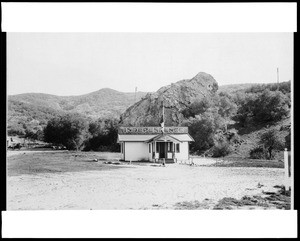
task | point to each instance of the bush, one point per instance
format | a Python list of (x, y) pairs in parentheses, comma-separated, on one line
[(271, 141), (221, 149), (258, 152), (261, 108), (69, 130)]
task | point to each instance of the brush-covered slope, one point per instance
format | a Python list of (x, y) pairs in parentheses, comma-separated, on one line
[(102, 103)]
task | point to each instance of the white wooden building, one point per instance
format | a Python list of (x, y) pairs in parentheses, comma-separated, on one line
[(154, 144)]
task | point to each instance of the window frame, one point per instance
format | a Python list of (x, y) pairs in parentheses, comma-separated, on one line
[(177, 148)]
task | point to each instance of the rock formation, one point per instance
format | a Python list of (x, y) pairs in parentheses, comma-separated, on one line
[(176, 97)]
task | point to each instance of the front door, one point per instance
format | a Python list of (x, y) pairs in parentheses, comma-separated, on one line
[(162, 149)]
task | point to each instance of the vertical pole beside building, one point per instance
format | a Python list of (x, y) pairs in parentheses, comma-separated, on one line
[(286, 170), (292, 179)]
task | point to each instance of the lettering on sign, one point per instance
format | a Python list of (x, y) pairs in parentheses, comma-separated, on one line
[(152, 130)]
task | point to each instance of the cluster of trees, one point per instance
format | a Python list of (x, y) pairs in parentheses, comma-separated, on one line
[(262, 107), (258, 105), (78, 133), (28, 120), (204, 118), (208, 120), (103, 135)]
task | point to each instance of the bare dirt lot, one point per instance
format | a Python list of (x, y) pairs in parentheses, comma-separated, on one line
[(68, 180)]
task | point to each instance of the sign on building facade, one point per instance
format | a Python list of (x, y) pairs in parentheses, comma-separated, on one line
[(153, 130)]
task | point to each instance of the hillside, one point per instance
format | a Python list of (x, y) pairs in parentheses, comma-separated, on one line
[(250, 139), (231, 88), (39, 107), (229, 116), (104, 102), (175, 98)]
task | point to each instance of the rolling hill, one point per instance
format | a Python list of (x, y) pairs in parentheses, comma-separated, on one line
[(38, 108), (104, 102)]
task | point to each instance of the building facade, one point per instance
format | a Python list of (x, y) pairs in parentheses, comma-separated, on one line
[(154, 144)]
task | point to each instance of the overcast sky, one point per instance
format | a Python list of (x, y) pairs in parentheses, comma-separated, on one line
[(79, 63)]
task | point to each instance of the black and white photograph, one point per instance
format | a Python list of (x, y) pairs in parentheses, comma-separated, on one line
[(149, 121)]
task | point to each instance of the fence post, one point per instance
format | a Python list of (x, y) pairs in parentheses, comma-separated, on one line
[(286, 170)]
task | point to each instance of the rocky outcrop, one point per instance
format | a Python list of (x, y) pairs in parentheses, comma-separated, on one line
[(176, 97)]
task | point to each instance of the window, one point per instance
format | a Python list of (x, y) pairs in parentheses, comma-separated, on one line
[(177, 147), (149, 148), (157, 148), (170, 146), (122, 147)]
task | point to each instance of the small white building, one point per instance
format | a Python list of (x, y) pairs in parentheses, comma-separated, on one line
[(154, 144)]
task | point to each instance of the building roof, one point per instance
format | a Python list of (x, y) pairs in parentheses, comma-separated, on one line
[(132, 137), (153, 130), (149, 138), (164, 137)]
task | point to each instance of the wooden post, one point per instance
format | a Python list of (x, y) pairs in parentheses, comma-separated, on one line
[(286, 170), (292, 178)]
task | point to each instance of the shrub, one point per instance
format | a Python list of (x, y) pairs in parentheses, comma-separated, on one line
[(261, 108), (221, 149), (258, 152), (271, 141)]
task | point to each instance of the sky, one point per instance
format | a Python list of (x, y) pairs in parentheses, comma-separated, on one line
[(80, 63)]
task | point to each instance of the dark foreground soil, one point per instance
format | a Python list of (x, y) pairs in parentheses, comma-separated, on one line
[(266, 200)]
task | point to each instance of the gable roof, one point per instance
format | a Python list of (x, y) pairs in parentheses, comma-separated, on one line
[(134, 137), (163, 137), (159, 137)]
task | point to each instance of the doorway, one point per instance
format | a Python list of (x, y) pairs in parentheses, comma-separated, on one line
[(162, 149)]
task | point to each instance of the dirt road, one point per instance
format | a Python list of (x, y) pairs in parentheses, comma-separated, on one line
[(137, 187)]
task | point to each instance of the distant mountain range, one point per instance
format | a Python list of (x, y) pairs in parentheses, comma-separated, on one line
[(36, 109), (105, 102), (102, 103)]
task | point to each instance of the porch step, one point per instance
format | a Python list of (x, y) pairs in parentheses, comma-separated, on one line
[(167, 161)]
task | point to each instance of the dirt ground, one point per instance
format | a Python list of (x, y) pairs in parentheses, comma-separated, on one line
[(136, 186)]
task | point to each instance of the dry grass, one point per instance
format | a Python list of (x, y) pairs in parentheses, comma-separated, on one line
[(239, 162), (33, 162)]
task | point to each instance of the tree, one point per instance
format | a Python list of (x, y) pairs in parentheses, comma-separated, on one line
[(202, 131), (261, 108), (202, 128), (271, 141), (271, 106), (221, 149), (103, 135), (30, 134), (68, 130), (226, 109), (258, 152)]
